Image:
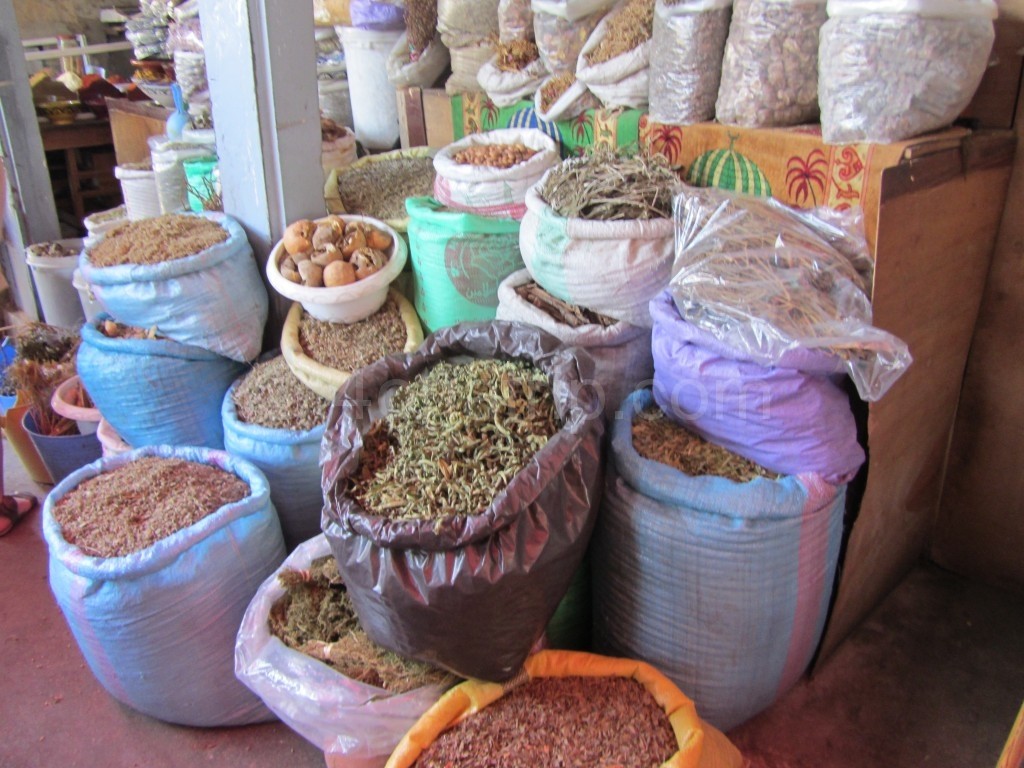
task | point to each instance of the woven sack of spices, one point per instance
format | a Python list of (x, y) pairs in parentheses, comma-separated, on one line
[(458, 261), (790, 417), (464, 23), (770, 68), (156, 391), (323, 379), (289, 459), (561, 30), (467, 62), (355, 724), (686, 59), (724, 586), (700, 745), (611, 267), (621, 352), (403, 72), (890, 70), (491, 191), (623, 80), (214, 299), (157, 627), (471, 593), (507, 88), (570, 103)]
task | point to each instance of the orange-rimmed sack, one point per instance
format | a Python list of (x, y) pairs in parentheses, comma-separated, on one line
[(700, 745)]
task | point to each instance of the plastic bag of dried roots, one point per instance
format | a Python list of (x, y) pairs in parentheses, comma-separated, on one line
[(515, 20), (686, 59), (770, 69), (562, 28), (889, 71)]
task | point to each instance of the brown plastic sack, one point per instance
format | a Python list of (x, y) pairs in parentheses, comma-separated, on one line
[(700, 745), (469, 593)]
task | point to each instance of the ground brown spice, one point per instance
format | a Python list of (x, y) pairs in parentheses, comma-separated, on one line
[(562, 311), (131, 507), (348, 347), (566, 721), (155, 240), (270, 396), (658, 438), (316, 617)]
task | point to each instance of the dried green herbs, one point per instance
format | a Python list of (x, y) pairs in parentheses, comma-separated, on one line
[(658, 438), (270, 396), (348, 347), (607, 187), (316, 617), (454, 438), (379, 188)]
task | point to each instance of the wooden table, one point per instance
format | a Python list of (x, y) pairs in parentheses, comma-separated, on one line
[(71, 139)]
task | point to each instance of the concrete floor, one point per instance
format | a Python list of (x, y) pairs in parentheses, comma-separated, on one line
[(933, 679)]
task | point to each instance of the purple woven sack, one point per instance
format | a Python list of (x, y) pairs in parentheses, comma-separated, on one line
[(791, 418)]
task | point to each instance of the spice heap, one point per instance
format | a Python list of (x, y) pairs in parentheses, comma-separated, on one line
[(316, 617), (628, 28), (115, 330), (52, 250), (139, 503), (554, 87), (350, 346), (605, 721), (608, 187), (516, 55), (333, 253), (454, 438), (159, 239), (270, 396), (379, 189), (562, 311), (658, 438), (494, 155)]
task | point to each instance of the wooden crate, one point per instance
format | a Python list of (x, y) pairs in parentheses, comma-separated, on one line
[(932, 208)]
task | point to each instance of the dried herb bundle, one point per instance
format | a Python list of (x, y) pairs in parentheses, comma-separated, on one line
[(658, 438), (379, 189), (608, 187), (159, 239), (562, 311), (129, 508), (629, 27), (44, 359), (454, 438), (554, 87), (348, 347), (272, 397), (560, 721), (316, 617), (516, 55)]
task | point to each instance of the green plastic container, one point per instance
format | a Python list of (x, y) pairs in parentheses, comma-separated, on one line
[(458, 261), (201, 177)]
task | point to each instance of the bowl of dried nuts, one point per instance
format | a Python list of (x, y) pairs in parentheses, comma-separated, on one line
[(339, 267)]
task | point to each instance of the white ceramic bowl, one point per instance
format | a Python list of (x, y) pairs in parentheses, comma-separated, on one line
[(347, 303)]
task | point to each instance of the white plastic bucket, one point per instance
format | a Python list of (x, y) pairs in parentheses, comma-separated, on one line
[(138, 188), (103, 221), (110, 442), (335, 100), (374, 103), (58, 298), (90, 305)]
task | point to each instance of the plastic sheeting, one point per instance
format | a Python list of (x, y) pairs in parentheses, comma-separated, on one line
[(157, 627), (722, 586), (356, 725), (468, 593), (290, 460), (215, 299), (621, 352), (790, 418), (156, 391)]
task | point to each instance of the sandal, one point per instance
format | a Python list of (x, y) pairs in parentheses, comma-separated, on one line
[(13, 508)]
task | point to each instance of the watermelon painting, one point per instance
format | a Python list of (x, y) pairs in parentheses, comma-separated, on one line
[(728, 169)]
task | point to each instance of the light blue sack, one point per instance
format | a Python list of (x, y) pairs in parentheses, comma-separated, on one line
[(214, 299), (156, 391), (157, 627), (722, 586), (291, 462)]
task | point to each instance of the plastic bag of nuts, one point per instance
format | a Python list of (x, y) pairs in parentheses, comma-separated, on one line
[(686, 59), (888, 72), (332, 253), (770, 69)]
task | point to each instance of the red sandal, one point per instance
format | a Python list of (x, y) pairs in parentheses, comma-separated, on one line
[(13, 508)]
